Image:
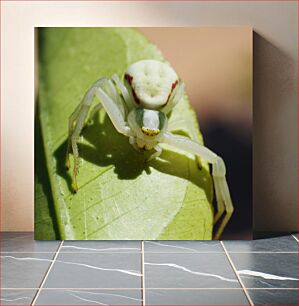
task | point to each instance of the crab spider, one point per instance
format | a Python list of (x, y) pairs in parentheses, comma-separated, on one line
[(139, 109)]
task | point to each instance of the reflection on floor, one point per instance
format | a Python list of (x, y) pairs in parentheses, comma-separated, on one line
[(263, 271)]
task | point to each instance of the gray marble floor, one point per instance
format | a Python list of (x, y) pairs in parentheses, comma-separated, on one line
[(263, 271)]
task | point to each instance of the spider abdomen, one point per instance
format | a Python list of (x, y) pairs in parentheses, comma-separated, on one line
[(151, 83)]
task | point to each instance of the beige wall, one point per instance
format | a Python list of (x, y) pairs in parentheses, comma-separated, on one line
[(275, 93), (215, 64)]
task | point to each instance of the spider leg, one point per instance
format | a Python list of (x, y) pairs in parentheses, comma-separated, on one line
[(115, 113), (124, 91), (224, 190), (218, 172), (156, 154), (78, 116), (175, 97), (98, 107), (132, 141), (75, 135), (72, 119), (220, 202), (106, 92), (180, 125)]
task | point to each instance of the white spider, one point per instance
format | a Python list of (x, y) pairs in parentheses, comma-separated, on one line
[(150, 91)]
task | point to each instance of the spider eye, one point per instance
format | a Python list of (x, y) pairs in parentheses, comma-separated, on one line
[(150, 132)]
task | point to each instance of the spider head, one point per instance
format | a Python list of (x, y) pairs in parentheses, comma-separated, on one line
[(147, 123), (151, 83)]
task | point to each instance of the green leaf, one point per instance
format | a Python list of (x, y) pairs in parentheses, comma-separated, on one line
[(45, 226), (120, 196)]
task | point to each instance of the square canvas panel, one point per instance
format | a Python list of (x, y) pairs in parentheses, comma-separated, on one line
[(129, 125)]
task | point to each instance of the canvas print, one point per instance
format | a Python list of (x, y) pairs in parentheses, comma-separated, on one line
[(143, 133)]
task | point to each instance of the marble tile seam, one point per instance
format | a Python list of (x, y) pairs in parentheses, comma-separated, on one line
[(143, 273), (46, 275), (237, 275)]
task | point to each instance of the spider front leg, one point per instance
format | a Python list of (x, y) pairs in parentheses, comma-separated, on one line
[(106, 92), (223, 198), (133, 142), (156, 154), (76, 124)]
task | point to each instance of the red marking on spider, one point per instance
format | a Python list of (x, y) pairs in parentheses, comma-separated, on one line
[(129, 78), (173, 86)]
